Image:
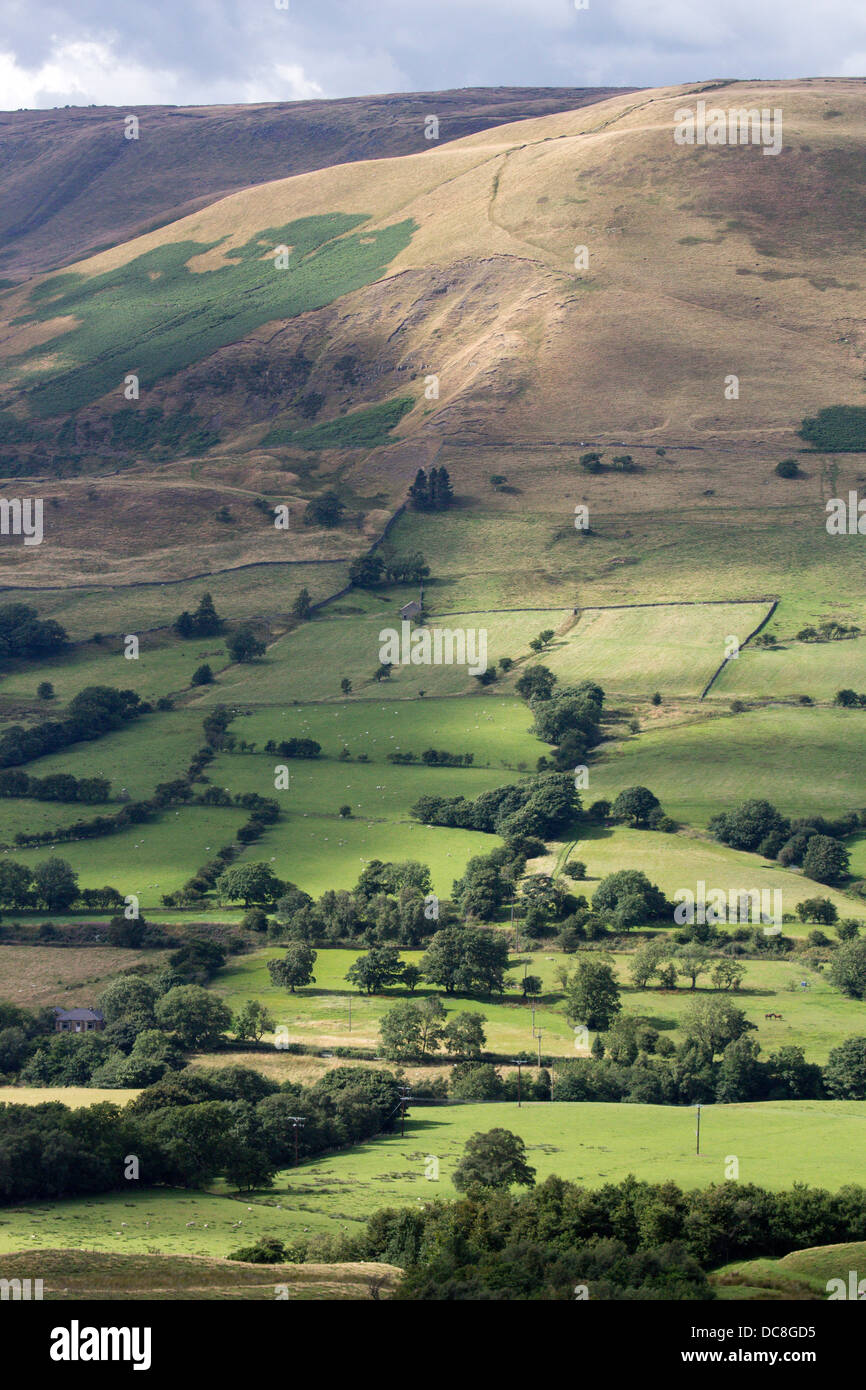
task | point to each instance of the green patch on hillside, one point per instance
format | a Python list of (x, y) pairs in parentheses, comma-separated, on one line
[(836, 429), (360, 429), (372, 791), (319, 1014), (816, 1019), (792, 668), (155, 316), (135, 758), (243, 593), (164, 666)]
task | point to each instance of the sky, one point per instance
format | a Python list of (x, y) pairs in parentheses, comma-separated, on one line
[(201, 52)]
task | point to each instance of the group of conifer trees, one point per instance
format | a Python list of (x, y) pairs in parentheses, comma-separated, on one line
[(431, 492)]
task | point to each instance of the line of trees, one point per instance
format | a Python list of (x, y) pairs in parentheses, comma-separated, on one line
[(623, 1241), (812, 843), (94, 711), (57, 786), (188, 1129)]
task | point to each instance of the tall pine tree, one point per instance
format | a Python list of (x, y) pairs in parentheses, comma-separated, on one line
[(419, 492), (206, 620), (442, 493)]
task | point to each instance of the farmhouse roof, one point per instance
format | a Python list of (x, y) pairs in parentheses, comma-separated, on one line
[(79, 1015)]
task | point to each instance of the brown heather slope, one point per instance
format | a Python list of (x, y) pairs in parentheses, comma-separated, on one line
[(70, 182), (703, 262)]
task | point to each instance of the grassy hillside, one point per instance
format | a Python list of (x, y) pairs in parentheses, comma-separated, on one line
[(72, 183), (526, 349), (430, 312), (528, 188), (802, 1275)]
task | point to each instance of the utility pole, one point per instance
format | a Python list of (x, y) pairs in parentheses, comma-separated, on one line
[(297, 1121), (698, 1133), (350, 1013), (533, 1020), (538, 1035), (519, 1065), (404, 1096)]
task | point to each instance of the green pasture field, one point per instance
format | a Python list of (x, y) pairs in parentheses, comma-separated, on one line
[(176, 316), (156, 1221), (699, 550), (636, 651), (168, 850), (816, 1019), (320, 1013), (309, 663), (373, 790), (857, 850), (805, 761), (238, 593), (162, 667), (23, 813), (817, 669), (494, 730), (155, 748), (776, 1143), (321, 852), (681, 861)]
